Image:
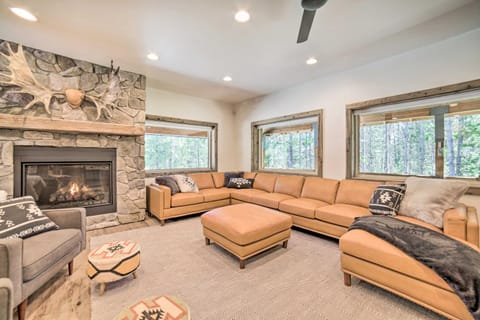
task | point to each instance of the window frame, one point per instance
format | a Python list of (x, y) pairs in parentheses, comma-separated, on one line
[(257, 151), (352, 130), (213, 145)]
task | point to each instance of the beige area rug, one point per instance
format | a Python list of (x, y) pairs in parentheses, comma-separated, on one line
[(301, 282)]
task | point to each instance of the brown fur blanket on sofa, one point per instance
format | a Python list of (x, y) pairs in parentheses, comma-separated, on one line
[(455, 262)]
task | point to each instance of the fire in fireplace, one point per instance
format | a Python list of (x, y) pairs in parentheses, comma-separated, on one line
[(67, 177)]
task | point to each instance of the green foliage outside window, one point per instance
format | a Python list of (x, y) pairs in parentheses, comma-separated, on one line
[(462, 146), (408, 147), (293, 150), (165, 152)]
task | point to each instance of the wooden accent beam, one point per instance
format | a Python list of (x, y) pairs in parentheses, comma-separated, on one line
[(176, 131), (9, 121), (438, 91)]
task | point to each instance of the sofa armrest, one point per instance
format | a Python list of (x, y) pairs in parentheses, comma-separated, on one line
[(472, 226), (71, 218), (461, 222), (6, 298), (158, 199), (455, 222), (11, 265)]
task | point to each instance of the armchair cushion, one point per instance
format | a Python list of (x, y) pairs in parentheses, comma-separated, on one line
[(21, 218), (45, 249)]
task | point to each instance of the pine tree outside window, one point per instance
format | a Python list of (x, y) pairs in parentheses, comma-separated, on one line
[(179, 145)]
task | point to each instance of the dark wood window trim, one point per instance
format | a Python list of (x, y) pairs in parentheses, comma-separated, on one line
[(214, 142), (255, 155), (351, 138)]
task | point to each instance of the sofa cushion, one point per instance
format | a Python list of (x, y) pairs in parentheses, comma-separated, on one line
[(168, 182), (185, 183), (356, 192), (249, 175), (44, 250), (215, 194), (428, 199), (240, 183), (340, 214), (233, 174), (291, 185), (218, 179), (186, 198), (301, 207), (320, 189), (271, 200), (203, 180), (21, 218), (386, 199), (265, 181), (245, 194)]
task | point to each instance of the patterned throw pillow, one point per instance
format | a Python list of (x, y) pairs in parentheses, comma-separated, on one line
[(21, 218), (240, 183), (186, 184), (229, 175), (386, 199), (168, 182)]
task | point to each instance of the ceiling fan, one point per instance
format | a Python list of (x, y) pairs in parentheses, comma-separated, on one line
[(310, 7)]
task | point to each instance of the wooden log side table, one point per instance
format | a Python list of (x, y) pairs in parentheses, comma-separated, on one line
[(156, 307), (113, 261)]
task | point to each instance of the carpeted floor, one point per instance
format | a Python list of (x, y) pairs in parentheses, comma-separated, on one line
[(301, 282)]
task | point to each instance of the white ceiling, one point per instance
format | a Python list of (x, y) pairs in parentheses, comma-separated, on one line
[(199, 42)]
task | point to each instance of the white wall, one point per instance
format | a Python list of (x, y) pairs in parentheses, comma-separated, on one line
[(454, 60), (170, 104)]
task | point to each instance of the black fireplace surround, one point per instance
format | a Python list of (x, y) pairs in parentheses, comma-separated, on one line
[(64, 177)]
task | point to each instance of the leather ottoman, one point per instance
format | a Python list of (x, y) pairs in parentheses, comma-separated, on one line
[(246, 229)]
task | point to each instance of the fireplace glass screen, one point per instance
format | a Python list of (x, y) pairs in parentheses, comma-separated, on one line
[(64, 185)]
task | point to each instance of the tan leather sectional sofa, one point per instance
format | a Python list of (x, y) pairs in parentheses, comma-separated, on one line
[(325, 206), (329, 207)]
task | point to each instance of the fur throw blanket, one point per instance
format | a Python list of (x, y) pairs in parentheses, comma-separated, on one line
[(455, 262)]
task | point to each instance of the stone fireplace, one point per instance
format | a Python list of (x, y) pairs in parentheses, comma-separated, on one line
[(52, 102)]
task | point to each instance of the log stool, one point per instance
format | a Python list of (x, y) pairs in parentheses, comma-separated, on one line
[(246, 229), (113, 261)]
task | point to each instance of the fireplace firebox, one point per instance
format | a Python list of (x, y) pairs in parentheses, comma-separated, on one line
[(65, 177)]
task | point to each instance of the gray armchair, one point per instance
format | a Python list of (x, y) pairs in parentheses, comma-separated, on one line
[(31, 262), (6, 299)]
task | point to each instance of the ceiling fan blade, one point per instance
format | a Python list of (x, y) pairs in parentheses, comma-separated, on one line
[(305, 25)]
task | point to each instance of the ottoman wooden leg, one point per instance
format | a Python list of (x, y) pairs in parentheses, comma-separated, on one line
[(162, 222), (101, 289), (242, 263), (347, 279), (285, 244), (134, 275), (207, 241)]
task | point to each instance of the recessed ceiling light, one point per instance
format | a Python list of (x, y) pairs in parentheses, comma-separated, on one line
[(24, 14), (242, 16), (454, 104), (311, 61), (152, 56), (227, 79)]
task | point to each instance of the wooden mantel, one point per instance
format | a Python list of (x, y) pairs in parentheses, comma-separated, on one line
[(9, 121)]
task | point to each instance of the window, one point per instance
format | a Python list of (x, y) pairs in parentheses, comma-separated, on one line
[(437, 136), (177, 145), (288, 144)]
